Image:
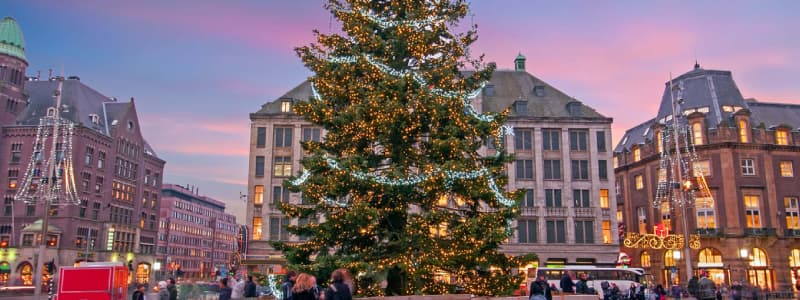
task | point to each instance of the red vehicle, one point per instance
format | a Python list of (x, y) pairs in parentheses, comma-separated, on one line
[(93, 281)]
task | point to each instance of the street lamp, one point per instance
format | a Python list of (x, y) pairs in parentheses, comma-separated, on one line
[(744, 255), (156, 269)]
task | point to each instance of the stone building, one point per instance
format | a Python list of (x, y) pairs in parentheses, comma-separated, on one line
[(195, 235), (562, 155), (118, 175), (746, 150)]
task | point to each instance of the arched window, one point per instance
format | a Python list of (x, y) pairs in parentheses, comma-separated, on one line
[(645, 259), (710, 256), (744, 136), (669, 257), (759, 258), (26, 273), (794, 258), (697, 133), (51, 111)]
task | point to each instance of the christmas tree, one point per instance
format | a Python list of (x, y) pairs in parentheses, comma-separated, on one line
[(397, 191)]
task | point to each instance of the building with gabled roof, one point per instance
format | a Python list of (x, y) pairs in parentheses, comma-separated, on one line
[(749, 229), (562, 153)]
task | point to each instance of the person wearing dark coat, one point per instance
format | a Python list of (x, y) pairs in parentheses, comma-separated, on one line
[(338, 290), (567, 286), (224, 290), (250, 287), (540, 287), (139, 293), (173, 290)]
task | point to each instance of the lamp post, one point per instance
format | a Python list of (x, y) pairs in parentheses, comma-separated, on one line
[(676, 256), (156, 269), (744, 255)]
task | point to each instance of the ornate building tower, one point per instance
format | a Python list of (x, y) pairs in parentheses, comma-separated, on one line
[(12, 70)]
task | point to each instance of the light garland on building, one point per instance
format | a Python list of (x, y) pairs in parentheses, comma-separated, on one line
[(653, 241)]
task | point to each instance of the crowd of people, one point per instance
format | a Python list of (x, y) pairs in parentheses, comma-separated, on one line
[(304, 286)]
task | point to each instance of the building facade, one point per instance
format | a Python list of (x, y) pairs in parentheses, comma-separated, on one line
[(196, 237), (118, 176), (746, 150), (12, 70), (562, 156)]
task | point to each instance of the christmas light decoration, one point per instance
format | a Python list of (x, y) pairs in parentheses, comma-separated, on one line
[(653, 241), (384, 23), (274, 286)]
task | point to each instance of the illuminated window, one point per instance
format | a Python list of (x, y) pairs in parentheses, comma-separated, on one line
[(759, 258), (792, 209), (439, 230), (752, 211), (645, 258), (658, 141), (669, 257), (697, 133), (257, 228), (782, 137), (704, 207), (606, 232), (748, 167), (619, 216), (794, 258), (604, 198), (641, 213), (703, 167), (286, 106), (637, 154), (282, 166), (744, 136), (710, 256), (258, 195), (639, 182), (666, 214), (786, 169), (616, 162)]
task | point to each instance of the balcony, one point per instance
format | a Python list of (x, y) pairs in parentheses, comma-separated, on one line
[(760, 231), (708, 232), (791, 232), (529, 210), (584, 211), (555, 211)]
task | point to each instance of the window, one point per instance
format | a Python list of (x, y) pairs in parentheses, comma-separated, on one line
[(782, 137), (641, 214), (580, 169), (86, 179), (744, 136), (604, 199), (697, 133), (522, 139), (311, 134), (258, 195), (528, 201), (552, 198), (283, 137), (666, 215), (602, 169), (261, 137), (704, 207), (748, 167), (276, 228), (619, 216), (552, 169), (615, 162), (606, 232), (283, 166), (279, 194), (259, 166), (551, 139), (601, 141), (101, 159), (577, 140), (703, 167), (539, 90), (524, 169), (556, 232), (87, 160), (27, 240), (98, 184), (581, 198), (521, 106), (792, 209), (637, 154), (256, 228), (30, 210), (16, 153), (526, 231), (8, 201), (645, 259), (286, 106), (786, 168), (639, 180), (658, 141), (584, 232), (752, 212)]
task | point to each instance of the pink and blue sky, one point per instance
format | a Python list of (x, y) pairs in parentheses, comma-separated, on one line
[(198, 68)]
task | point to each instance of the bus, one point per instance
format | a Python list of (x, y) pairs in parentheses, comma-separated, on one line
[(622, 277)]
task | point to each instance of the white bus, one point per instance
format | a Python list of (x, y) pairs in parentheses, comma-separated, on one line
[(622, 277)]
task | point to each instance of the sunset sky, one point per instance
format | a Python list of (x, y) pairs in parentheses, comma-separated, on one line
[(198, 68)]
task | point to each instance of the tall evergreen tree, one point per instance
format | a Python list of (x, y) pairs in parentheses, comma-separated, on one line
[(397, 190)]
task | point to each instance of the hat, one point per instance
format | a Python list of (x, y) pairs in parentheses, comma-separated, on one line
[(162, 285)]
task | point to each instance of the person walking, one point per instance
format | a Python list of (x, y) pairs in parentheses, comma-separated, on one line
[(303, 288), (224, 290), (237, 287), (172, 289), (736, 290), (539, 289), (582, 286), (139, 293), (566, 284), (250, 287), (706, 289), (338, 290), (286, 286), (163, 293)]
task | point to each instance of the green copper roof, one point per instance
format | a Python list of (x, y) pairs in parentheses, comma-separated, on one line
[(520, 56), (11, 40)]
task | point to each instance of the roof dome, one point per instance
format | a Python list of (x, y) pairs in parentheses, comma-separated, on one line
[(11, 40)]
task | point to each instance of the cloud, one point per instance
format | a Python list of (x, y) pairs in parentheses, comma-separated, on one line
[(204, 135)]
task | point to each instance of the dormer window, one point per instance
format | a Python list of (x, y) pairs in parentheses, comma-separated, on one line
[(574, 108), (744, 136), (637, 154), (782, 137), (51, 111), (521, 106), (95, 119), (539, 90), (697, 133), (130, 125), (286, 106)]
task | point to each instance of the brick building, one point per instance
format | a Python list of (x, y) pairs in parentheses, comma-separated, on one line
[(562, 155), (747, 149)]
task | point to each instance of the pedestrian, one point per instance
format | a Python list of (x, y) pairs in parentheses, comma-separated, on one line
[(303, 288), (632, 292), (338, 290), (237, 287), (250, 287), (286, 286), (224, 290), (615, 292), (163, 293), (539, 289), (172, 288), (736, 290), (706, 289), (582, 286), (139, 293), (567, 286), (347, 280)]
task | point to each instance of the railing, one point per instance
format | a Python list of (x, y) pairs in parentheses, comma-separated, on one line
[(708, 232), (584, 211), (529, 210), (760, 231), (792, 232), (555, 211), (605, 212)]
